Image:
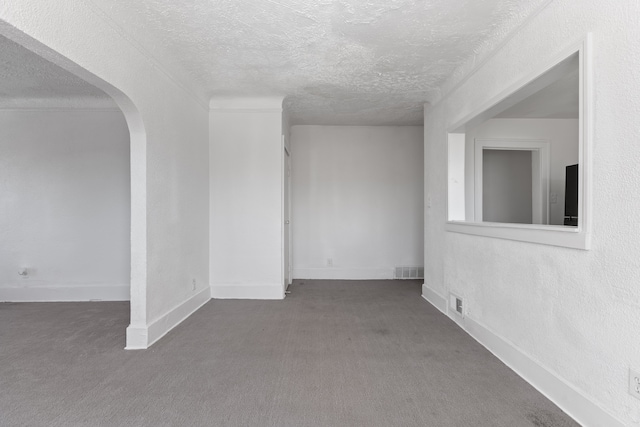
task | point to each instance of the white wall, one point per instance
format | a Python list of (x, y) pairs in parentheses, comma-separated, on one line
[(507, 186), (567, 319), (65, 197), (562, 135), (168, 126), (357, 200), (246, 198)]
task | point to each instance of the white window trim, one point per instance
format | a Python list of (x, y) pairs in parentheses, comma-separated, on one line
[(571, 237)]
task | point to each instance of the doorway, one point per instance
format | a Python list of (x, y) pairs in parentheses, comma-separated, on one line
[(512, 181), (286, 210)]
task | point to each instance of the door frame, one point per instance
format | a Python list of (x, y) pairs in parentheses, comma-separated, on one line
[(287, 258), (539, 170)]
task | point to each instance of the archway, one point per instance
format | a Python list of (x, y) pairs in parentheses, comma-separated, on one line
[(138, 142)]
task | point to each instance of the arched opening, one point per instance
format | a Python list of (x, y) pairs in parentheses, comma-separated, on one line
[(74, 184)]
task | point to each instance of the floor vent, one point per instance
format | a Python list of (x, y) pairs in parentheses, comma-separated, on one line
[(405, 272)]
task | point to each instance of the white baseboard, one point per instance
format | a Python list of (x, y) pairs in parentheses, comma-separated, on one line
[(434, 298), (331, 273), (253, 291), (137, 337), (65, 293), (143, 336), (564, 395)]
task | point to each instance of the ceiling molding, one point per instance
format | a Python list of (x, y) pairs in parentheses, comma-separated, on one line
[(59, 104), (61, 109), (246, 103)]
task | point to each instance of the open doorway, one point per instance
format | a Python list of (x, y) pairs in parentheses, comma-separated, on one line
[(66, 186), (512, 181)]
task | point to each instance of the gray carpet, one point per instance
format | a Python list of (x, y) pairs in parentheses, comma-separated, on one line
[(333, 353)]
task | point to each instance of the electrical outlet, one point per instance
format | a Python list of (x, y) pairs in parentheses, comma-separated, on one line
[(194, 284), (634, 383), (329, 262)]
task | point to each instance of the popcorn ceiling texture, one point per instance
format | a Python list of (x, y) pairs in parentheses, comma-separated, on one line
[(337, 62)]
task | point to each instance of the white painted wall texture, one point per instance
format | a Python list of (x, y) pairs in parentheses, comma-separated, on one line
[(575, 313), (246, 198), (562, 135), (65, 197), (357, 200), (169, 152), (507, 186)]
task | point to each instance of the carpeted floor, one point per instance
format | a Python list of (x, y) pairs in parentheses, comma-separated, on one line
[(333, 353)]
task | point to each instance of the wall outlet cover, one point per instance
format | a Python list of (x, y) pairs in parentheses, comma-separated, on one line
[(634, 383)]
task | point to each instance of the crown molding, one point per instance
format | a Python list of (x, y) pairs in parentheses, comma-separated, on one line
[(60, 109), (58, 104), (246, 103)]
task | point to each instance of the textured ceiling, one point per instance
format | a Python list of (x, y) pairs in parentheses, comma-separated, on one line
[(27, 80), (336, 61)]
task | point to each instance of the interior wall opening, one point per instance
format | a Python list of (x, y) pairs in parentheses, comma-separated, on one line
[(65, 185), (511, 164)]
